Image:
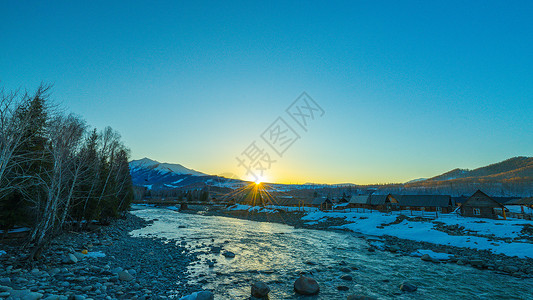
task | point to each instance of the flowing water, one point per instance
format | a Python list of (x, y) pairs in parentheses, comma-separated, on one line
[(276, 254)]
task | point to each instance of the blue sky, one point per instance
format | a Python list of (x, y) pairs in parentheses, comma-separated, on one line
[(409, 88)]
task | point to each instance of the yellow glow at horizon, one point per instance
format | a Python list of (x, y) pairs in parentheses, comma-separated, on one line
[(258, 180)]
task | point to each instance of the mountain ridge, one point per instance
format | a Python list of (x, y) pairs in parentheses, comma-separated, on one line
[(513, 176)]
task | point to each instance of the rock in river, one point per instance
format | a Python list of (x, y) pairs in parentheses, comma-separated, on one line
[(306, 286), (228, 254), (408, 287), (346, 277), (260, 290)]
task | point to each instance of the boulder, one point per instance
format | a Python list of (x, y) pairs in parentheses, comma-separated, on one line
[(70, 259), (393, 248), (342, 288), (260, 290), (477, 263), (125, 276), (228, 254), (32, 296), (346, 277), (426, 257), (408, 287), (5, 288), (306, 286), (346, 270), (510, 269), (5, 281)]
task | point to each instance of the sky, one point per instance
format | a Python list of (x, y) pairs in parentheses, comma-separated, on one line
[(406, 89)]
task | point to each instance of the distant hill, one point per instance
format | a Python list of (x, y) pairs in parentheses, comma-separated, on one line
[(511, 177), (516, 167)]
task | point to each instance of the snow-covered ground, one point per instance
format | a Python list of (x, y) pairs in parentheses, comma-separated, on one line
[(518, 209), (371, 223)]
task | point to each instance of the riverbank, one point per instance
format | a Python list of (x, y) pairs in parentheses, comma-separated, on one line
[(520, 267), (107, 263)]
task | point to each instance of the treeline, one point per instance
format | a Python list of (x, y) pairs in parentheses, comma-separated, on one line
[(55, 171), (190, 195)]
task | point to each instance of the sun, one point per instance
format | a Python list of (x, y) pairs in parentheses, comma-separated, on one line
[(258, 182)]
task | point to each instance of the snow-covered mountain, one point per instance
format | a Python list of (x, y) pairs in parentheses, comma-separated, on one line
[(146, 163), (155, 175)]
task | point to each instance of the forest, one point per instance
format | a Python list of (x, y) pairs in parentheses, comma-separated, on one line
[(56, 172)]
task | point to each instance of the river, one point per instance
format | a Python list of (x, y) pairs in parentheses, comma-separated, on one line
[(276, 254)]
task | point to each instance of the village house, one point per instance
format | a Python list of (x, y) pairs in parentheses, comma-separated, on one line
[(360, 201), (521, 208), (382, 203), (482, 206), (429, 203), (321, 203)]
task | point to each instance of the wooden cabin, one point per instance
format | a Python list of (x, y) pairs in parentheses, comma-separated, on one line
[(322, 203), (383, 203), (480, 205), (326, 204), (430, 203), (360, 201), (521, 208)]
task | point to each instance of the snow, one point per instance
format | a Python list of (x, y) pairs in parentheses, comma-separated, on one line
[(499, 228), (20, 229), (163, 167), (374, 223), (95, 254), (367, 223), (432, 254), (517, 209)]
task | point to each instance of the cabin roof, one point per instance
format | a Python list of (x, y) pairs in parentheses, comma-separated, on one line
[(523, 201), (286, 201), (318, 201), (377, 199), (479, 195), (424, 200), (359, 199)]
